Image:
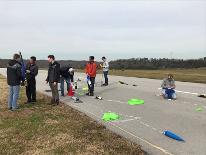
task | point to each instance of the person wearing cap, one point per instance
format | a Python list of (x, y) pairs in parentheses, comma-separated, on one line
[(53, 78), (91, 69), (67, 75), (168, 87), (105, 67), (31, 73)]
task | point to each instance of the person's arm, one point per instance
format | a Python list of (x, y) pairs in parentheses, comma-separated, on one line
[(57, 74), (173, 86), (163, 85), (19, 72), (35, 71)]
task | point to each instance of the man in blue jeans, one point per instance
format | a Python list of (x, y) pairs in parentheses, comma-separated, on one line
[(67, 75), (105, 67), (14, 78)]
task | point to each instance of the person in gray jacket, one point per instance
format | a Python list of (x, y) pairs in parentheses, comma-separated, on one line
[(168, 87), (14, 78), (53, 78)]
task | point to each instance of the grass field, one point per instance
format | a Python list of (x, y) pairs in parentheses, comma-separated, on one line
[(186, 75), (44, 129)]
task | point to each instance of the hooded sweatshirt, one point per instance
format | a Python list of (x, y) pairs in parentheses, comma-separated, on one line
[(14, 75)]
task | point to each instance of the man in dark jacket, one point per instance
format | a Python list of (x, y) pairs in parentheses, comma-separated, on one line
[(14, 78), (66, 74), (31, 73), (53, 78)]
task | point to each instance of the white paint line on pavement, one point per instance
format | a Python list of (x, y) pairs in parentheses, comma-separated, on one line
[(145, 141), (116, 101), (131, 134), (127, 120), (179, 91)]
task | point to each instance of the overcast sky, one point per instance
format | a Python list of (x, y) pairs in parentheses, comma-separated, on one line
[(115, 29)]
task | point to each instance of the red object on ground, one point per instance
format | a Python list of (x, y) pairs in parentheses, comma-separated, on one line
[(71, 91)]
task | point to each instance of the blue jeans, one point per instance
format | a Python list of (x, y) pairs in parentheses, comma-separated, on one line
[(169, 93), (62, 79), (13, 96)]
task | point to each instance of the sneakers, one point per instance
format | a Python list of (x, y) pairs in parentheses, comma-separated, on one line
[(105, 84), (90, 94)]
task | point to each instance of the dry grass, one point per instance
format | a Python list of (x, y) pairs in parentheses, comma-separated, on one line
[(43, 129), (197, 75)]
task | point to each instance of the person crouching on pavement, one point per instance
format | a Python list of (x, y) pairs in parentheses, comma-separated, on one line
[(66, 74), (31, 73), (53, 78), (168, 87)]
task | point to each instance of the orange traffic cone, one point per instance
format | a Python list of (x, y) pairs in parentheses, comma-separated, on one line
[(71, 91)]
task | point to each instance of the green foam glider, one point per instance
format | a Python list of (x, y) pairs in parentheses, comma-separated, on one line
[(135, 102), (85, 89), (109, 116), (199, 109)]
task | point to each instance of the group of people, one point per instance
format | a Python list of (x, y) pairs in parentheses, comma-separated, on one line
[(17, 76), (57, 74)]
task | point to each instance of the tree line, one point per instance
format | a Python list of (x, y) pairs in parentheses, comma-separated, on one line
[(133, 63)]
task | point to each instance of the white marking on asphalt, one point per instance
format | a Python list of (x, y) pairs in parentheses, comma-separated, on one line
[(131, 134), (154, 129), (116, 101), (179, 91), (145, 141), (127, 120)]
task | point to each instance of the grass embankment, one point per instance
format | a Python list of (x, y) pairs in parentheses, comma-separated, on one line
[(44, 129), (185, 75)]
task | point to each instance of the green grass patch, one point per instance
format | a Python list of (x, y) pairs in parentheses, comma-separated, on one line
[(44, 129)]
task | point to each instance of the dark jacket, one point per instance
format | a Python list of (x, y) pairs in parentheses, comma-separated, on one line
[(53, 72), (33, 68), (64, 72), (14, 75)]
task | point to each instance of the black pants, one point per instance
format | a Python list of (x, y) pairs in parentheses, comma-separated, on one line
[(91, 87), (31, 90)]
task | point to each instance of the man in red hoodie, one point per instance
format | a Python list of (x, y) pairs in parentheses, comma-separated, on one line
[(91, 69)]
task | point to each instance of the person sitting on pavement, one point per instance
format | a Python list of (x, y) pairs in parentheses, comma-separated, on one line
[(168, 87)]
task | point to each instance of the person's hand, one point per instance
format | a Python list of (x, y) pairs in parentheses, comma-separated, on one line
[(28, 71), (55, 83), (100, 65)]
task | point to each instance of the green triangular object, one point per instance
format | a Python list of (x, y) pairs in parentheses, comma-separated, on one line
[(135, 102), (199, 109), (109, 116), (85, 89)]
